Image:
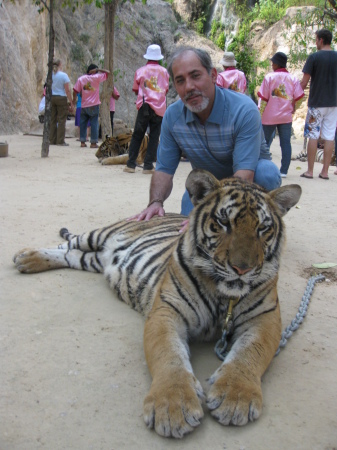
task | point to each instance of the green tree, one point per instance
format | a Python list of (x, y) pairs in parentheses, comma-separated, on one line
[(302, 41)]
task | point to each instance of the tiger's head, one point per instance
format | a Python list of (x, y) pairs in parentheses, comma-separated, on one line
[(236, 230)]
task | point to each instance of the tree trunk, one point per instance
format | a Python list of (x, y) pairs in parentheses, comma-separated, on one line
[(47, 114), (110, 13)]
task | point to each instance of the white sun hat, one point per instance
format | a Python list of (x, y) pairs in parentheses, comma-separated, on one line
[(153, 53), (228, 60)]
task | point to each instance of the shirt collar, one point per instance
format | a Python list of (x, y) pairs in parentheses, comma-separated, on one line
[(216, 113), (281, 70), (152, 62), (230, 68)]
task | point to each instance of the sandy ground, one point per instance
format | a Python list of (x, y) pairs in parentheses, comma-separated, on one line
[(73, 373)]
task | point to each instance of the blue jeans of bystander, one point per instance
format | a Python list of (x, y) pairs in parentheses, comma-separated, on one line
[(284, 131), (91, 114)]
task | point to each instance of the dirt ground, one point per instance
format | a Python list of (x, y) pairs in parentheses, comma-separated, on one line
[(73, 373)]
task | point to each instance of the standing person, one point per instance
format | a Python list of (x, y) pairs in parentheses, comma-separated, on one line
[(280, 94), (59, 104), (114, 96), (218, 130), (321, 69), (78, 116), (151, 83), (42, 105), (88, 86), (231, 77)]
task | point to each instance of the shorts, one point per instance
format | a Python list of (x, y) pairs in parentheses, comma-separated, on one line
[(321, 122)]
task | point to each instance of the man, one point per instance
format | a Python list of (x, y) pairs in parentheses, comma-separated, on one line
[(280, 94), (231, 77), (218, 130), (151, 84), (321, 68), (88, 86)]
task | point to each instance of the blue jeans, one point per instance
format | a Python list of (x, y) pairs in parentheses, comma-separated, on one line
[(91, 114), (266, 175), (336, 146), (284, 131)]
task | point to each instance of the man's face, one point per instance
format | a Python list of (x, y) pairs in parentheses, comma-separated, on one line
[(195, 86), (319, 43)]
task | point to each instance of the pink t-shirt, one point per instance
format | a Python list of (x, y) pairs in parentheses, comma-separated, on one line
[(112, 100), (151, 83), (88, 85), (281, 90), (232, 79)]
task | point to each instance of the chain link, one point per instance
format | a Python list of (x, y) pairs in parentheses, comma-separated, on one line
[(302, 312)]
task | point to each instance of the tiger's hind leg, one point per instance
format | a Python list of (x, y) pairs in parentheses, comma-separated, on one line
[(33, 261)]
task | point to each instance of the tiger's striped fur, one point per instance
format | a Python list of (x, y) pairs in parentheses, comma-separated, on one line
[(183, 283), (303, 156), (115, 150)]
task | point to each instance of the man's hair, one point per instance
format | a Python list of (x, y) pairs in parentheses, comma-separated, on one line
[(203, 56), (326, 35), (91, 67)]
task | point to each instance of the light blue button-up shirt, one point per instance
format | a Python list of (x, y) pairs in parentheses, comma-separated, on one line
[(231, 139)]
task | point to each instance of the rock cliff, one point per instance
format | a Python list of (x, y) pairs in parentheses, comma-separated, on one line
[(79, 41)]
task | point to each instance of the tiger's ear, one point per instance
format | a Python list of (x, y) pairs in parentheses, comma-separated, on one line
[(200, 183), (286, 197)]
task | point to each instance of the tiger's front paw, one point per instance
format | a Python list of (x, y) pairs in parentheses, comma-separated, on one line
[(173, 408), (107, 161), (234, 397)]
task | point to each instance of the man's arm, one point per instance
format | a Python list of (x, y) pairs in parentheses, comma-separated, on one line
[(74, 96), (67, 89), (160, 189), (115, 95), (305, 80), (249, 138), (93, 71)]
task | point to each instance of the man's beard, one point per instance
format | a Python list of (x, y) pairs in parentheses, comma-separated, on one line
[(196, 108)]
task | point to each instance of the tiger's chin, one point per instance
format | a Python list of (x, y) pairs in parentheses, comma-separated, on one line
[(235, 288)]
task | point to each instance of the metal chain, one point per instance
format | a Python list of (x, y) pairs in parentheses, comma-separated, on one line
[(221, 345), (302, 312)]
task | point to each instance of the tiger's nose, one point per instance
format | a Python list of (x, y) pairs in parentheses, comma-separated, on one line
[(241, 270)]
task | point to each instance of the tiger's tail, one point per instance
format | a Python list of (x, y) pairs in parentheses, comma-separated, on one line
[(86, 242)]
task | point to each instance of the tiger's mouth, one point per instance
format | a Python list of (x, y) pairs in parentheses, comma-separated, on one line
[(235, 284)]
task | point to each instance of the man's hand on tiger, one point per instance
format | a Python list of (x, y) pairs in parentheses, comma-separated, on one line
[(156, 209), (184, 225)]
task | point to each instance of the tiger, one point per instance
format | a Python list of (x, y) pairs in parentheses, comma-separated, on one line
[(303, 155), (187, 285), (115, 150)]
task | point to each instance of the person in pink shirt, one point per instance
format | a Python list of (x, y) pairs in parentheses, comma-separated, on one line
[(280, 94), (88, 86), (151, 84), (114, 96), (231, 77)]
